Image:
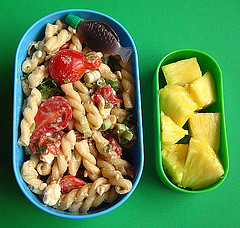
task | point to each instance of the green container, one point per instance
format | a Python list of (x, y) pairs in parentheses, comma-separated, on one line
[(207, 63)]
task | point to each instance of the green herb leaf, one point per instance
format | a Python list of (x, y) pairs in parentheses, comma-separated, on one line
[(23, 77), (107, 148), (103, 60), (40, 150)]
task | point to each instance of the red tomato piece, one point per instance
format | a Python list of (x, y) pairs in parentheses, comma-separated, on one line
[(70, 182), (105, 92), (47, 143), (69, 65), (64, 46), (53, 115), (115, 146)]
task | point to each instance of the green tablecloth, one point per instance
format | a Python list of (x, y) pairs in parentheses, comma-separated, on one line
[(157, 27)]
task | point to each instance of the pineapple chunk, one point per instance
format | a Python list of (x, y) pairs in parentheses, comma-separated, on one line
[(173, 158), (171, 132), (182, 72), (202, 90), (176, 103), (202, 166), (206, 126)]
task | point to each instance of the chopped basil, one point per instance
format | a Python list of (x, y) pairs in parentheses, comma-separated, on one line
[(49, 88), (23, 77), (103, 60), (130, 122), (40, 150), (107, 148)]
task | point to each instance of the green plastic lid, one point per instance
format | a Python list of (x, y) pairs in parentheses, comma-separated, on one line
[(73, 20)]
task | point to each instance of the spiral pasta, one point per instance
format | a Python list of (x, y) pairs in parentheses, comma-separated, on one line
[(31, 177), (29, 113), (67, 143), (129, 90), (37, 76), (30, 64), (122, 185), (80, 200), (89, 161), (78, 109)]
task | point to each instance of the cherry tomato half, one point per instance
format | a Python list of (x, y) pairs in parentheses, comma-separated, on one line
[(69, 65), (53, 115), (105, 92), (70, 182), (47, 143)]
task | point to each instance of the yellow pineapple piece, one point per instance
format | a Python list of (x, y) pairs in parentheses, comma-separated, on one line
[(171, 132), (202, 90), (202, 167), (176, 103), (206, 126), (182, 72), (173, 158)]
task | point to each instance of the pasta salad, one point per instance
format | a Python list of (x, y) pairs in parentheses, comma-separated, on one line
[(77, 127)]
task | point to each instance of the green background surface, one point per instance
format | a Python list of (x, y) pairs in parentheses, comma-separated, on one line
[(157, 27)]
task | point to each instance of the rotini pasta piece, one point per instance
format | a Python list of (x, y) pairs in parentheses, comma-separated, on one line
[(74, 163), (72, 30), (52, 194), (59, 167), (127, 66), (113, 120), (123, 166), (76, 44), (68, 142), (80, 200), (50, 31), (81, 87), (94, 118), (89, 161), (31, 177), (108, 74), (93, 149), (74, 99), (55, 42), (37, 76), (60, 25), (25, 87), (101, 142), (92, 76), (128, 89), (120, 114), (122, 185), (33, 102), (30, 64), (44, 168), (105, 112)]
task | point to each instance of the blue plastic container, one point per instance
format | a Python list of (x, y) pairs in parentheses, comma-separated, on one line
[(36, 32)]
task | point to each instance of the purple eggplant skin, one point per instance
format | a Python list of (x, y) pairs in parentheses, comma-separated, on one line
[(100, 37)]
